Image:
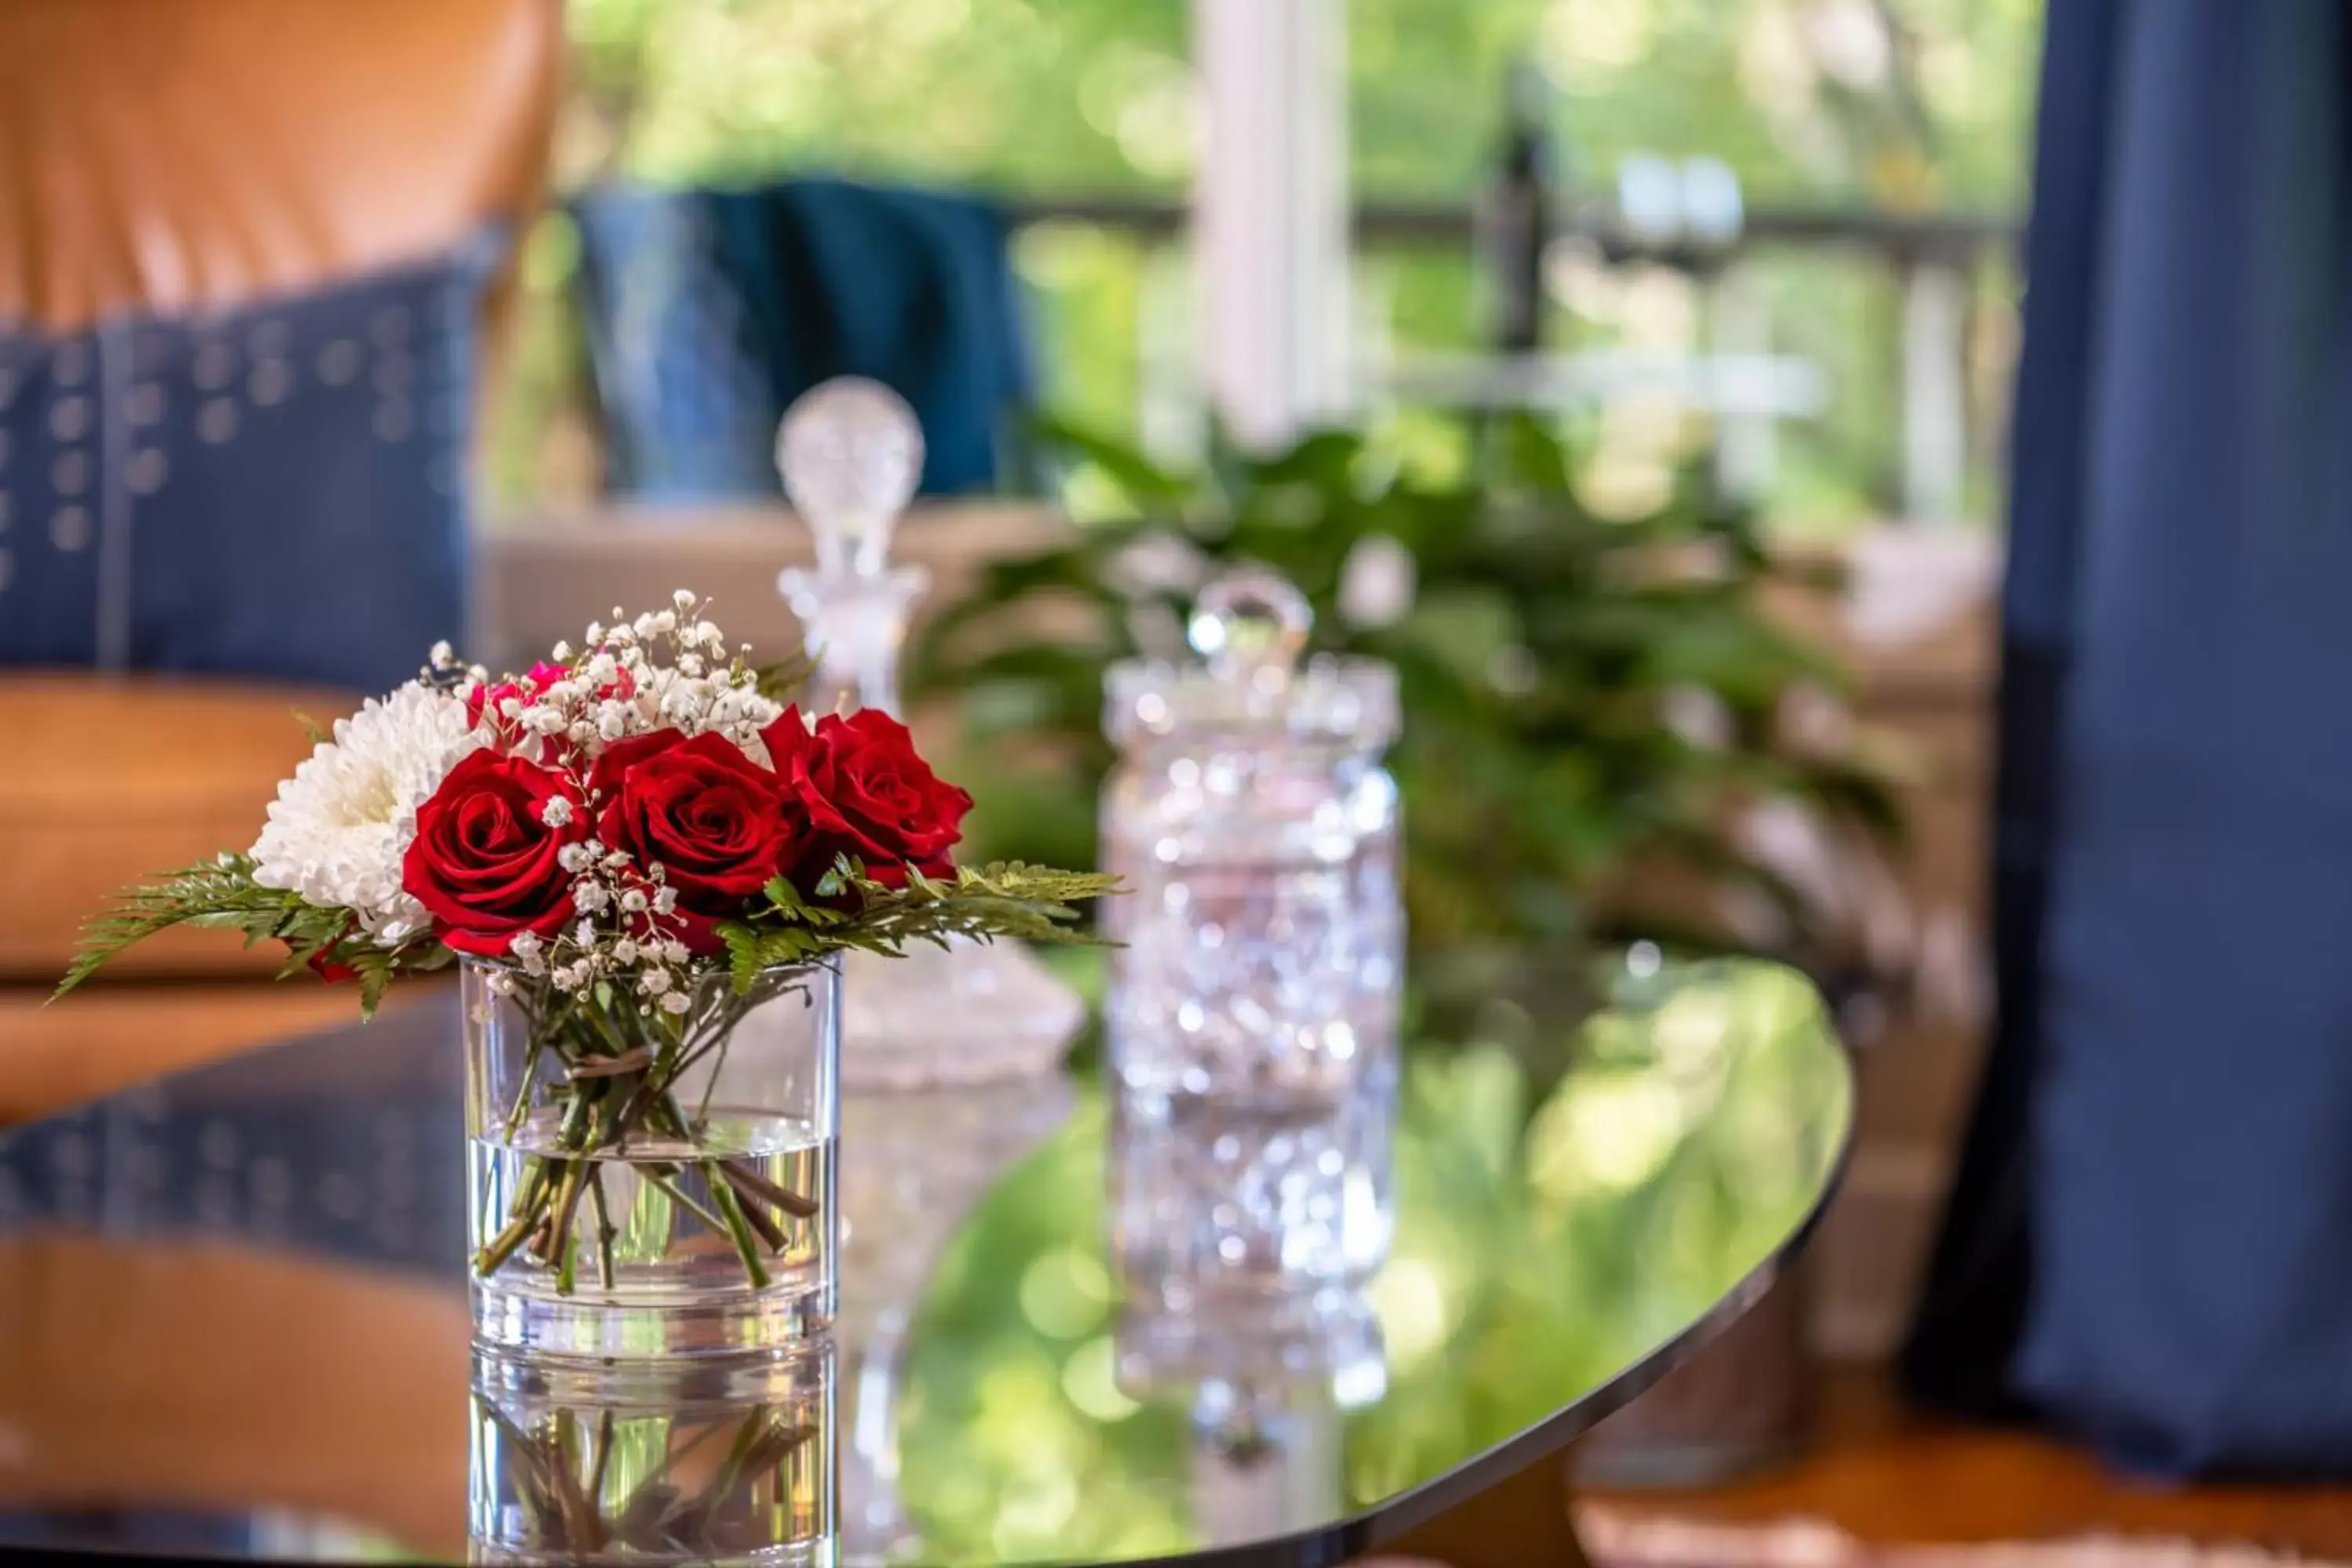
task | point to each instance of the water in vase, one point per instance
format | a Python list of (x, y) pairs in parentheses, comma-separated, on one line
[(670, 1247)]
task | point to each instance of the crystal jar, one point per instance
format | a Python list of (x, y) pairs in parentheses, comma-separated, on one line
[(1256, 829)]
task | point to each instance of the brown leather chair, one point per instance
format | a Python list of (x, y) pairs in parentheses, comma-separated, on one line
[(171, 155)]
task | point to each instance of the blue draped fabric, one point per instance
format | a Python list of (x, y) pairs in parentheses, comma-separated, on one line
[(276, 489), (2149, 1239), (708, 311)]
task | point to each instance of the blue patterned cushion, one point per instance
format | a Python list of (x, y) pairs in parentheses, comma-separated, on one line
[(276, 491)]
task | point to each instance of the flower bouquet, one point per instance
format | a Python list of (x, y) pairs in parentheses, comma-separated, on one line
[(645, 864)]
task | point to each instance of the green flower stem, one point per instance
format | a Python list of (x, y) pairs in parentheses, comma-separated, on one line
[(604, 1232), (604, 1454), (501, 1247), (771, 1234), (679, 1196), (722, 1195), (756, 1186), (522, 1107)]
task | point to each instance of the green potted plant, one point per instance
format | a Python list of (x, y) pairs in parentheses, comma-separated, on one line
[(1593, 705)]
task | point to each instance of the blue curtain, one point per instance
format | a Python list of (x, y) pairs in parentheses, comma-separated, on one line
[(2150, 1241)]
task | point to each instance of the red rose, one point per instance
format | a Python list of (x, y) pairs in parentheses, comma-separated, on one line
[(868, 792), (334, 972), (327, 966), (491, 699), (718, 823), (484, 864)]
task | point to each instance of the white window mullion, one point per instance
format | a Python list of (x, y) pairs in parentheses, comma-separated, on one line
[(1271, 211)]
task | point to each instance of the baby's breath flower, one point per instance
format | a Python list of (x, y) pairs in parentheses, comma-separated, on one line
[(443, 656), (625, 951), (683, 599), (653, 981), (562, 652), (526, 949), (574, 857), (584, 933), (666, 901), (556, 812), (634, 902), (673, 951), (676, 1002), (590, 896)]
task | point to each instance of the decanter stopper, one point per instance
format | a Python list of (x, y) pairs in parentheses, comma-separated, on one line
[(850, 452)]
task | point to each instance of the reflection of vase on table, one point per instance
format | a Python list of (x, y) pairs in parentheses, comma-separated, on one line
[(720, 1462)]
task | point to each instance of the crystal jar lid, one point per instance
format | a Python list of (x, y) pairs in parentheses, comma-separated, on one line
[(1249, 628)]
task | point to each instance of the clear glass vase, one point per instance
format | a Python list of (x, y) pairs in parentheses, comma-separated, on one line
[(646, 1182), (716, 1462)]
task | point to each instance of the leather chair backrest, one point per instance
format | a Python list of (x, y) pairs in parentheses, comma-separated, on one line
[(174, 154), (168, 156)]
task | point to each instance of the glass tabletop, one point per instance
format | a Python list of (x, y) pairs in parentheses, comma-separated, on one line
[(233, 1320)]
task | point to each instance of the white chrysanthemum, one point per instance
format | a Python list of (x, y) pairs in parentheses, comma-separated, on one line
[(341, 825)]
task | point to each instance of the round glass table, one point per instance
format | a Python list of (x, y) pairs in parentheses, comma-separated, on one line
[(233, 1320)]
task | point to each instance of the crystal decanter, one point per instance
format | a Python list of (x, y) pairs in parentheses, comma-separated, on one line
[(851, 454)]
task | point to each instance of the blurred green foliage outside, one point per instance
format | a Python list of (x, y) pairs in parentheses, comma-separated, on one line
[(1897, 106)]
